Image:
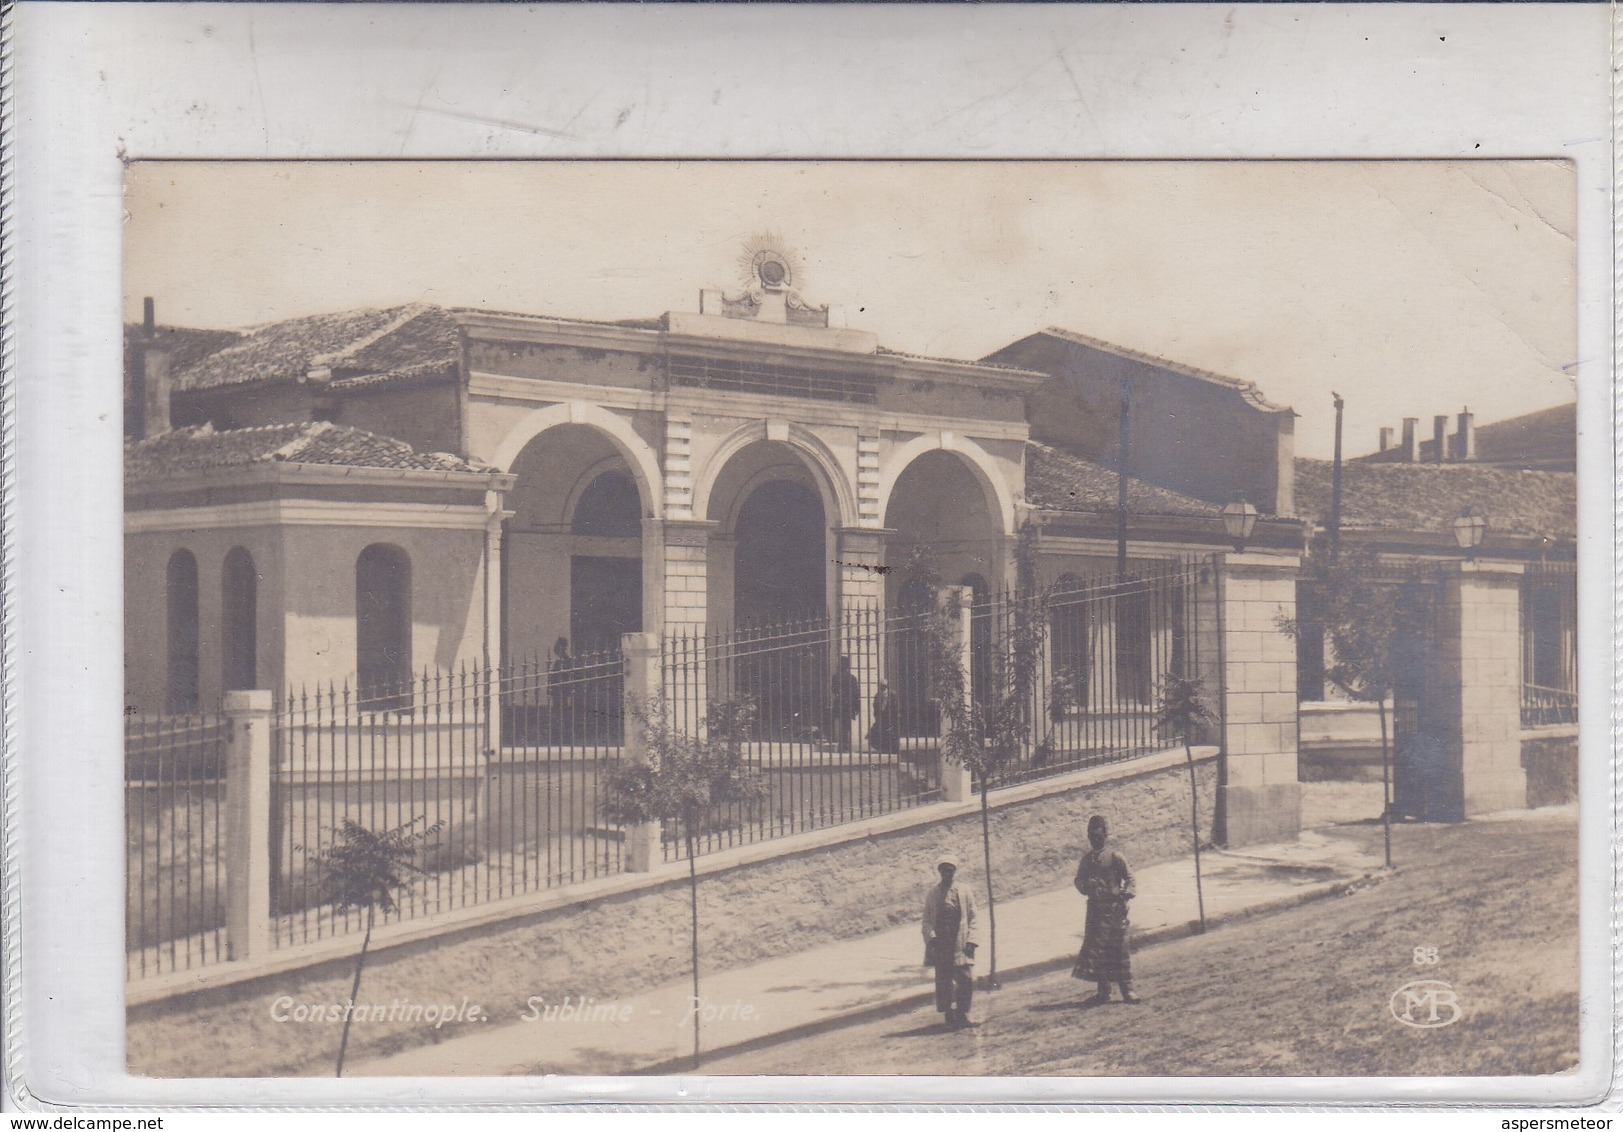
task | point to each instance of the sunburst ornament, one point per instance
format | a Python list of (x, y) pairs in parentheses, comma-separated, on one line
[(767, 263)]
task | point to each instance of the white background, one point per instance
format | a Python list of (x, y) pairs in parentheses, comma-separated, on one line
[(95, 83)]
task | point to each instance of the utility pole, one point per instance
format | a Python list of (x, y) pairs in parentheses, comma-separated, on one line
[(1335, 484)]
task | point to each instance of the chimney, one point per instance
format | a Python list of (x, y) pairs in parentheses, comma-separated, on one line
[(1465, 438), (1439, 437), (154, 375), (1386, 439), (1411, 442)]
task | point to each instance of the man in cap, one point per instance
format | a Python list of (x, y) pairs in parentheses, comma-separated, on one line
[(951, 937)]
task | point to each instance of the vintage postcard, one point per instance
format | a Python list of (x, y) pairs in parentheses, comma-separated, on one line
[(571, 571), (832, 618)]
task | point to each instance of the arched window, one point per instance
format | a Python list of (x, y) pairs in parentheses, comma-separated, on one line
[(608, 508), (1069, 626), (180, 587), (239, 621), (383, 628)]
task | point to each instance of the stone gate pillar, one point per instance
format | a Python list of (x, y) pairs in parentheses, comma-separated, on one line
[(1477, 692), (1251, 675)]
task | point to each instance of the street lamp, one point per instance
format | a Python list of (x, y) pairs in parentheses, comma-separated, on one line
[(1239, 519), (1468, 532)]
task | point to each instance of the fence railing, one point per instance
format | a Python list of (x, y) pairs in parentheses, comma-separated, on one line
[(174, 828), (1549, 632), (831, 746), (505, 771), (502, 768), (1105, 646)]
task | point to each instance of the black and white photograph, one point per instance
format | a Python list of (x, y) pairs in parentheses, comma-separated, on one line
[(929, 618)]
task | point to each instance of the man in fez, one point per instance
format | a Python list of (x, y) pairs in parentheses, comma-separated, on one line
[(951, 936), (1104, 878)]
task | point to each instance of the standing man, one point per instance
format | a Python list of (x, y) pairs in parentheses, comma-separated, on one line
[(885, 734), (1104, 878), (561, 693), (951, 936), (847, 701)]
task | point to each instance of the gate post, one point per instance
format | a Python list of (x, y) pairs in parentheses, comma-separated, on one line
[(957, 784), (1477, 690), (1254, 681), (248, 826), (642, 655)]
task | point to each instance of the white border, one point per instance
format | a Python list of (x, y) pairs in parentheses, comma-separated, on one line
[(94, 82)]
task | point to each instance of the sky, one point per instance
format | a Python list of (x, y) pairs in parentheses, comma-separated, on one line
[(1412, 288)]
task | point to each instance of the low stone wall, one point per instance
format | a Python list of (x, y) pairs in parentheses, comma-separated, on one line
[(625, 944), (1551, 762), (1338, 742)]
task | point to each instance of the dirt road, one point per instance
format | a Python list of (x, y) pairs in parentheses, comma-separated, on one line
[(1308, 991)]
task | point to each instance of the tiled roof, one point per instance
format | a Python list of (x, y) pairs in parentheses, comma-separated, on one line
[(1428, 497), (186, 346), (350, 343), (1059, 481), (307, 442)]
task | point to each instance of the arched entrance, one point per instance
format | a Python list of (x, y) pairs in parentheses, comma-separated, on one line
[(947, 533), (771, 556), (779, 568), (769, 568), (572, 551)]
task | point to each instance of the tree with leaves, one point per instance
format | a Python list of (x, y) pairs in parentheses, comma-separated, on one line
[(689, 781), (1181, 713), (365, 869)]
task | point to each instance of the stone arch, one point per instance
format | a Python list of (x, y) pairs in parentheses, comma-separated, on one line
[(999, 499), (639, 455), (839, 495)]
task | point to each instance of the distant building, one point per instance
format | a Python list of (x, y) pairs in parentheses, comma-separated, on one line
[(1545, 440)]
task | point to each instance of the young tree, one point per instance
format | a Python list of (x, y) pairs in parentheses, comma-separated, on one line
[(1366, 612), (689, 780), (1182, 713), (987, 734), (363, 869)]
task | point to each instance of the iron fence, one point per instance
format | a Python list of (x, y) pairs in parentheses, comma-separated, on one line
[(1549, 635), (829, 745), (174, 829), (505, 772), (500, 816), (1084, 687)]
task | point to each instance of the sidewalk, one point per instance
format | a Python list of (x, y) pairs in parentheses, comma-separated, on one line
[(877, 974)]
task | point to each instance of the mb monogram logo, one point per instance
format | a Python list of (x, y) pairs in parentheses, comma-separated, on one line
[(1426, 1004)]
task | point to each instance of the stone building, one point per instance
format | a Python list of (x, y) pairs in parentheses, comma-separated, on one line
[(354, 498)]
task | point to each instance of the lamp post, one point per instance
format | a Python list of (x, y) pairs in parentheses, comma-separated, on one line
[(1469, 530), (1239, 519)]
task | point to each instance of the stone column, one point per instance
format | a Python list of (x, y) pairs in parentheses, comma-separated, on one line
[(684, 545), (1251, 675), (492, 644), (956, 781), (248, 823), (684, 580), (643, 849), (1477, 691)]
